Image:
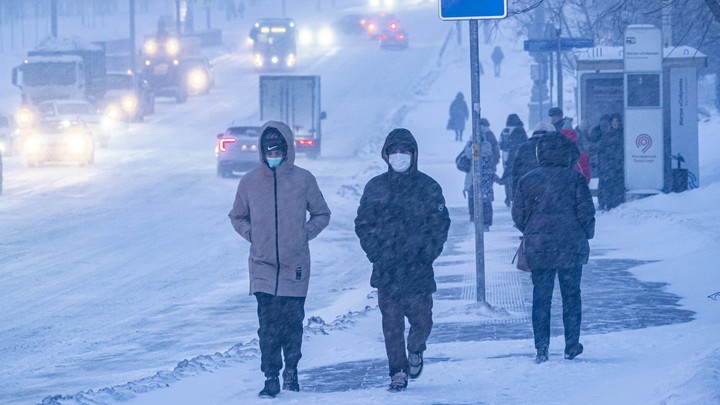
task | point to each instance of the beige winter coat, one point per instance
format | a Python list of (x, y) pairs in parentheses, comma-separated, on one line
[(270, 211)]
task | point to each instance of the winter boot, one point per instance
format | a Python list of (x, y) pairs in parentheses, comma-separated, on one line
[(290, 380), (415, 360), (573, 351), (542, 355), (272, 387), (398, 382)]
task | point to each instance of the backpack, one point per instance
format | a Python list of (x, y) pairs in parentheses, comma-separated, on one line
[(463, 163)]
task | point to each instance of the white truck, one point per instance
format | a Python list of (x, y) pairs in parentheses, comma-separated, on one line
[(62, 68), (294, 100)]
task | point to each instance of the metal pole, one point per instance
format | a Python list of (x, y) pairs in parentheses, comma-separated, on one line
[(53, 18), (559, 72), (477, 175), (132, 35)]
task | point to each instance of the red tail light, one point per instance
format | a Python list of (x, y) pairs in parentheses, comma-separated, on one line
[(383, 37), (372, 27), (393, 26), (223, 143), (306, 142), (401, 37)]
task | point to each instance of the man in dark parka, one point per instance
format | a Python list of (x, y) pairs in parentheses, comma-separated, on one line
[(402, 224), (553, 208)]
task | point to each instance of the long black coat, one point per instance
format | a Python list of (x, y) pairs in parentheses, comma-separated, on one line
[(553, 208), (402, 223)]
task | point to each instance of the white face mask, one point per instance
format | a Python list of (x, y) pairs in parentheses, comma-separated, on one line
[(274, 162), (400, 162)]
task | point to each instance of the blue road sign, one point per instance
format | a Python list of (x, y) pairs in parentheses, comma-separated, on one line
[(551, 45), (472, 9)]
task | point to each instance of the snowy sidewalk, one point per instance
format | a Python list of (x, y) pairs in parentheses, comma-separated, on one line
[(613, 300)]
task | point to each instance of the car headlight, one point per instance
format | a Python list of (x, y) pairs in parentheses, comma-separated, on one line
[(129, 104), (258, 60), (33, 144), (197, 79), (76, 144), (172, 46), (150, 47), (326, 37), (112, 113), (290, 61), (305, 37), (24, 117)]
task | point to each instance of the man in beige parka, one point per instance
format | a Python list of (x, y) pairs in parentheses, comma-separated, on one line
[(270, 211)]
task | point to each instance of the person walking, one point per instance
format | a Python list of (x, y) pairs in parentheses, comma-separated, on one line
[(458, 115), (511, 137), (553, 209), (497, 57), (526, 157), (269, 211), (489, 159), (402, 223)]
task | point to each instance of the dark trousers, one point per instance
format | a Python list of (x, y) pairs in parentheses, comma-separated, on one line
[(280, 332), (394, 310), (458, 134), (543, 284)]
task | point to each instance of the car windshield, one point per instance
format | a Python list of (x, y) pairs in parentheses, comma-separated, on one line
[(243, 131), (58, 126)]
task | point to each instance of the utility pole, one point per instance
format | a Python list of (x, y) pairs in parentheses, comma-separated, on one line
[(476, 170), (133, 63), (559, 72), (53, 18)]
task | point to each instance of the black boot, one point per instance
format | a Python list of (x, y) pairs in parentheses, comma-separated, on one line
[(542, 355), (272, 387), (290, 380), (573, 351)]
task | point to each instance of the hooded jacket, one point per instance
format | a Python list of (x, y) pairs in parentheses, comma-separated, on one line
[(402, 224), (553, 208), (270, 211), (526, 158)]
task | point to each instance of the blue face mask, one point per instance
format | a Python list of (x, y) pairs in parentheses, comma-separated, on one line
[(274, 162)]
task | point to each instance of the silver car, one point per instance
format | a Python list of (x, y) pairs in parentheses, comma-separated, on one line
[(237, 149)]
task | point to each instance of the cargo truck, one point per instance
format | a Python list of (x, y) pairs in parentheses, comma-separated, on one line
[(294, 100), (62, 69)]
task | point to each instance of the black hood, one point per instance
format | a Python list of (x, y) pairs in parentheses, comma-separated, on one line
[(555, 149), (401, 136)]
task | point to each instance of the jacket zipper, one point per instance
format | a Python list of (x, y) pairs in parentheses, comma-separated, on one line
[(277, 235)]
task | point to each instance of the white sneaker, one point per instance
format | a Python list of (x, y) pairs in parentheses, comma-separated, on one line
[(398, 382)]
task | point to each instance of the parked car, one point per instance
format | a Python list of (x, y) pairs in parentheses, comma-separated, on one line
[(100, 125), (59, 141), (9, 133), (380, 23), (237, 149)]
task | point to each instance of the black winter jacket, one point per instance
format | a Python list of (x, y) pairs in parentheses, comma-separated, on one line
[(402, 224), (553, 208)]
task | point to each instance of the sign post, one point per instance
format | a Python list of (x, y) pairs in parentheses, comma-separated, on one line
[(643, 123), (474, 10)]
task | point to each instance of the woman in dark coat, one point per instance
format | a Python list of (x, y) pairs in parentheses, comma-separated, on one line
[(553, 208), (458, 115), (511, 138)]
